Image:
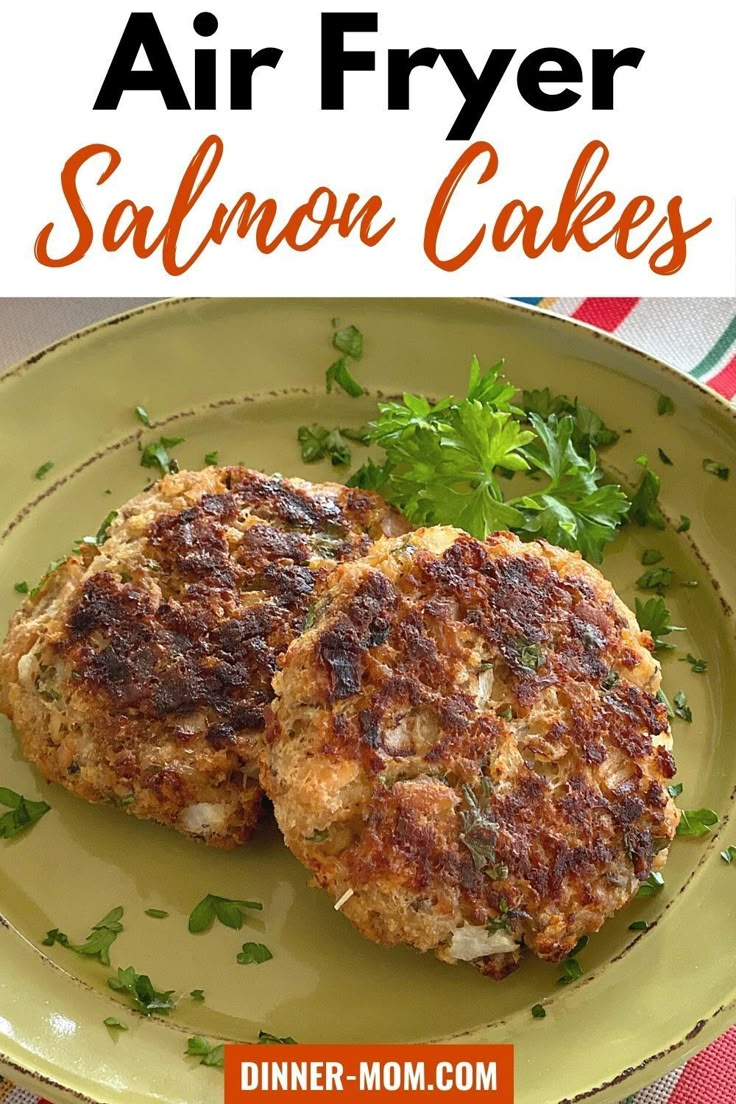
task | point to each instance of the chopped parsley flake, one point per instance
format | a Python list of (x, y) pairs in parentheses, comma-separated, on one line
[(156, 455), (665, 405), (349, 341), (729, 854), (651, 556), (318, 442), (44, 470), (714, 468), (157, 914), (698, 666), (479, 830), (141, 992), (658, 578), (640, 925), (208, 1054), (23, 813), (22, 588), (228, 912), (212, 459), (267, 1037), (644, 507), (572, 970), (531, 656), (254, 953), (654, 617), (538, 1011), (319, 835), (142, 415), (697, 822), (675, 789), (97, 943), (115, 1024), (664, 457), (685, 523), (653, 884), (197, 994), (680, 707), (339, 373)]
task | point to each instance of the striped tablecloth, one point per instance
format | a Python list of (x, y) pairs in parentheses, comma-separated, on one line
[(697, 336)]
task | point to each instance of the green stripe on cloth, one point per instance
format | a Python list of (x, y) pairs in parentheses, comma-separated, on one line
[(719, 350)]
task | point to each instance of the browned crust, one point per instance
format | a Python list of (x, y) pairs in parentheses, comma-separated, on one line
[(573, 746)]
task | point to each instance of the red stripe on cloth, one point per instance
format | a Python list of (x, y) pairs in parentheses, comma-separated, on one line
[(607, 314), (725, 381), (710, 1077)]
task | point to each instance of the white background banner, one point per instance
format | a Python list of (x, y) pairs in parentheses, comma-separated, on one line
[(620, 228)]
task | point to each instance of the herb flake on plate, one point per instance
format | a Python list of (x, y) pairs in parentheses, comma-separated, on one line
[(714, 468), (228, 912), (652, 885), (267, 1037), (141, 992), (339, 374), (209, 1054), (115, 1024), (156, 455), (697, 822), (729, 854), (654, 617), (99, 940), (254, 954), (23, 813), (697, 666), (680, 707), (44, 470), (142, 415)]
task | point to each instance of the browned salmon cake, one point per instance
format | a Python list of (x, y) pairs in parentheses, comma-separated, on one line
[(467, 749), (140, 671)]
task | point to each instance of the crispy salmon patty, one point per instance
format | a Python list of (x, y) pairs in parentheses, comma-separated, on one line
[(467, 749), (140, 672)]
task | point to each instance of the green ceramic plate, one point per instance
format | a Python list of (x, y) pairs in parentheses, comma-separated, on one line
[(239, 377)]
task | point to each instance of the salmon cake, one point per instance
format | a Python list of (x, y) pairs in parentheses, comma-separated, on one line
[(467, 748), (139, 672)]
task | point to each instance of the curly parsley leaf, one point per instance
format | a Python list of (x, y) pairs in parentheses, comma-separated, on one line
[(23, 813), (228, 912), (697, 822), (141, 992), (254, 954), (208, 1053), (445, 462), (573, 511)]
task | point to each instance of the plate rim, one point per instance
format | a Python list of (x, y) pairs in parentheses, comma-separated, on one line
[(703, 1032)]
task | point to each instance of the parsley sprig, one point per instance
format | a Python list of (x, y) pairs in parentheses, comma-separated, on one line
[(445, 462)]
